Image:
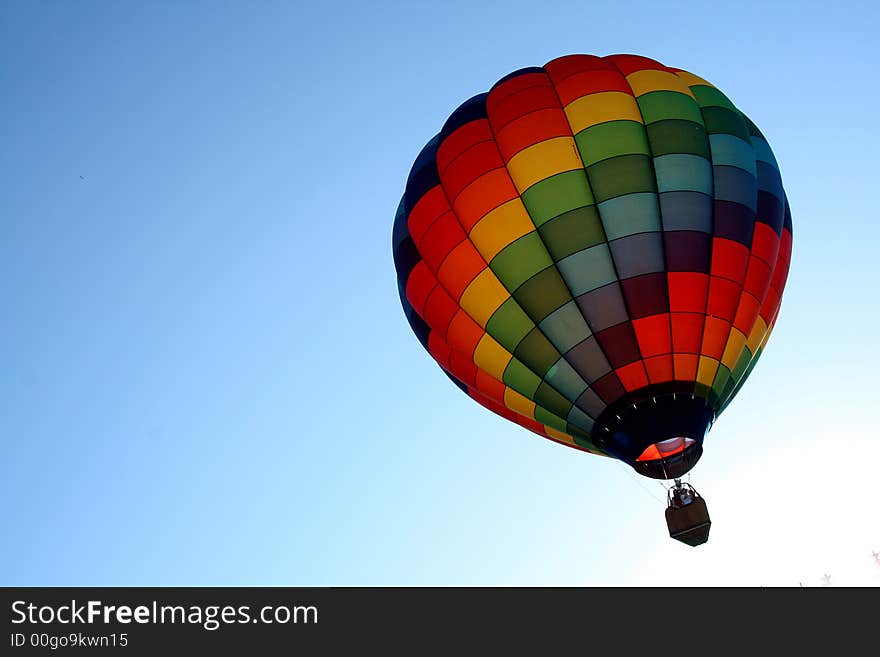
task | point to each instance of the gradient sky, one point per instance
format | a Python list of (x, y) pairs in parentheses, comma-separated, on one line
[(207, 378)]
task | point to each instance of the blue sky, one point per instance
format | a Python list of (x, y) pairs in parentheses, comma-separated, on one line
[(206, 375)]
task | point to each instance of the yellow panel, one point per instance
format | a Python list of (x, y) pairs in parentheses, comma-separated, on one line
[(542, 160), (734, 348), (601, 107), (643, 82), (491, 357), (757, 334), (500, 227), (692, 80), (482, 296), (519, 403), (558, 435), (706, 370)]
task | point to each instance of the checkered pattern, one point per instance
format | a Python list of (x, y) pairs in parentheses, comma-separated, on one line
[(592, 231)]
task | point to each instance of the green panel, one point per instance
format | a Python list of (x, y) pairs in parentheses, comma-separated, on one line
[(711, 97), (585, 443), (728, 150), (572, 231), (521, 378), (702, 390), (588, 269), (536, 352), (565, 379), (678, 136), (726, 121), (661, 105), (742, 364), (617, 176), (630, 214), (521, 260), (509, 324), (544, 416), (542, 294), (753, 129), (722, 376), (557, 194), (565, 327), (552, 400), (610, 139), (580, 420), (682, 173)]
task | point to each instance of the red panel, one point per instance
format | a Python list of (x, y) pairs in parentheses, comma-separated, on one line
[(633, 376), (687, 291), (459, 268), (563, 67), (459, 141), (723, 298), (685, 367), (729, 259), (439, 310), (687, 332), (765, 243), (659, 369), (715, 337), (521, 103), (770, 305), (489, 385), (419, 285), (443, 236), (632, 63), (500, 92), (653, 335), (462, 367), (425, 212), (609, 388), (531, 129), (438, 348), (757, 278), (583, 84), (464, 334), (469, 166)]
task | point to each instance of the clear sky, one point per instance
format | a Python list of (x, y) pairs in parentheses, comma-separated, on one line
[(206, 377)]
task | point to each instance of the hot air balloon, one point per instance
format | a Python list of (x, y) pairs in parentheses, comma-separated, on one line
[(596, 250)]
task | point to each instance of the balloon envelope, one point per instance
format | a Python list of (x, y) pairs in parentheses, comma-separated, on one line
[(596, 249)]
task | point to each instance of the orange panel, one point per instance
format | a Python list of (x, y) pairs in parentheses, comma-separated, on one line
[(715, 337), (484, 194), (464, 334), (685, 367), (530, 129), (459, 268), (746, 313)]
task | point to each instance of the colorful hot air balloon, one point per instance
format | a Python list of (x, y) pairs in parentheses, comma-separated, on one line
[(597, 250)]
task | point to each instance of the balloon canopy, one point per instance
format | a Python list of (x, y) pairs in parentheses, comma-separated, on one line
[(596, 250)]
